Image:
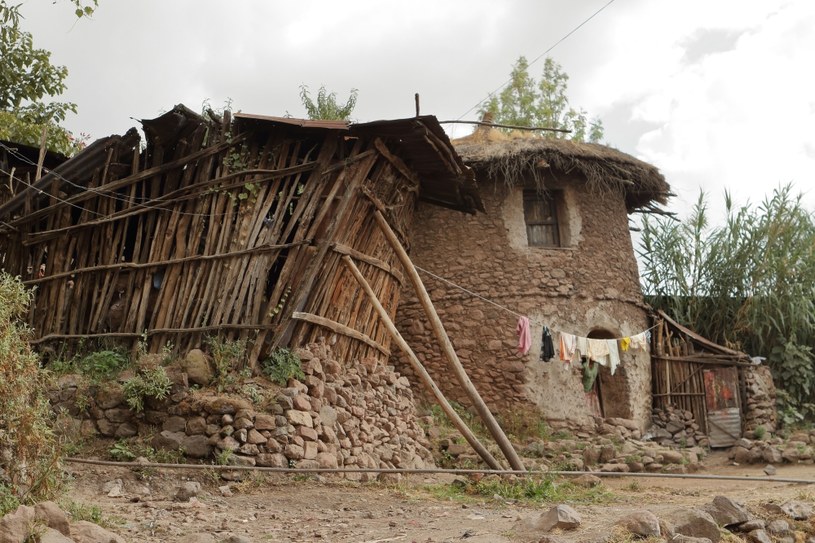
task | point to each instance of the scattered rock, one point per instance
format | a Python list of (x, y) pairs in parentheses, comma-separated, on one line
[(188, 490), (88, 532), (778, 527), (560, 516), (52, 516), (770, 470), (694, 523), (198, 538), (588, 481), (751, 525), (51, 535), (641, 523), (759, 536), (726, 512), (114, 489), (14, 526), (797, 510)]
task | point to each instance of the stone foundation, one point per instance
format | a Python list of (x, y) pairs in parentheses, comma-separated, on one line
[(760, 409), (356, 415)]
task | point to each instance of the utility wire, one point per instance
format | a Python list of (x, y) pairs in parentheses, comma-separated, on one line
[(537, 58), (113, 196)]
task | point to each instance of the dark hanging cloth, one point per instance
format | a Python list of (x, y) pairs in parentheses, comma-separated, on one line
[(547, 345)]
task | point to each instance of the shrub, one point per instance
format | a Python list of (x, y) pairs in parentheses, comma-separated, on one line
[(228, 355), (148, 383), (282, 366), (29, 454)]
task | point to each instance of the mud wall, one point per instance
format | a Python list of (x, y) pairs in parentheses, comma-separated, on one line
[(591, 284)]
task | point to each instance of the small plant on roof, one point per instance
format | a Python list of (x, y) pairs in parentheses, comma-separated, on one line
[(326, 108)]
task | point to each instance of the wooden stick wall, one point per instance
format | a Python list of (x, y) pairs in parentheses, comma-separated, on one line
[(209, 232)]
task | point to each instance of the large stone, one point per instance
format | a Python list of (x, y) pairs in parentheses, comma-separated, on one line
[(88, 532), (726, 512), (797, 510), (272, 460), (175, 424), (49, 535), (672, 457), (170, 441), (198, 368), (299, 418), (641, 523), (328, 415), (694, 523), (560, 516), (197, 446), (187, 490), (759, 536), (772, 455), (110, 396), (778, 527), (264, 421), (14, 527), (327, 460), (52, 516)]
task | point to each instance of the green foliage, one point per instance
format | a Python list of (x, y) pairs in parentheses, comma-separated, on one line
[(148, 383), (121, 452), (223, 458), (80, 511), (526, 490), (759, 432), (749, 283), (527, 102), (228, 355), (283, 365), (96, 366), (27, 77), (29, 452), (327, 108)]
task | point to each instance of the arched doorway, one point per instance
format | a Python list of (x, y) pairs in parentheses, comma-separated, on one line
[(611, 390)]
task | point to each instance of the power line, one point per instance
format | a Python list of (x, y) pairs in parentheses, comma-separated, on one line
[(537, 58), (113, 196)]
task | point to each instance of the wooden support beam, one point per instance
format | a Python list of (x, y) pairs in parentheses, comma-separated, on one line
[(419, 369), (339, 328), (447, 347)]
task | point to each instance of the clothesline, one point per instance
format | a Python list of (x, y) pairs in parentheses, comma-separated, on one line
[(504, 308)]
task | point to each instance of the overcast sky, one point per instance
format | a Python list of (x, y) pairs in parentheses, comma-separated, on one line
[(717, 94)]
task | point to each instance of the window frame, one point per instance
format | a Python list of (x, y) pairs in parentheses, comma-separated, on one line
[(549, 200)]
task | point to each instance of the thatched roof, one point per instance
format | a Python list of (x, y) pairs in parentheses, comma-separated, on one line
[(521, 159)]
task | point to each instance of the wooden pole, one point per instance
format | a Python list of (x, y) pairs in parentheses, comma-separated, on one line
[(419, 369), (447, 346), (41, 157)]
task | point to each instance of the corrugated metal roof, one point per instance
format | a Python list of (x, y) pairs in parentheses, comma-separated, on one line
[(292, 121)]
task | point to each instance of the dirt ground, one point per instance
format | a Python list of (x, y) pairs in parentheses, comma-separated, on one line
[(290, 508)]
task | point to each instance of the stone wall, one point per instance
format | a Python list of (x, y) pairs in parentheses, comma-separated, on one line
[(760, 409), (590, 284), (360, 414)]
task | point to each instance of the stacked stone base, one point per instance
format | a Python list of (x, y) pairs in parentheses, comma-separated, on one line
[(678, 427), (360, 414)]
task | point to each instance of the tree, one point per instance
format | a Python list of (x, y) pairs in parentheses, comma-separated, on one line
[(750, 282), (27, 78), (327, 107), (526, 102)]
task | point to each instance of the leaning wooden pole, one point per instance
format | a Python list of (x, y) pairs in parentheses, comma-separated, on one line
[(420, 370), (447, 347)]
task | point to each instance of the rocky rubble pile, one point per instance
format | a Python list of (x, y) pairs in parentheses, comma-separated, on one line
[(613, 447), (799, 448), (357, 415), (677, 426), (785, 523), (47, 523)]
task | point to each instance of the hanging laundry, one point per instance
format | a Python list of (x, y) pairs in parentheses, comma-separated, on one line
[(568, 343), (613, 355), (590, 369), (625, 343), (581, 346), (547, 346), (524, 335), (598, 348), (639, 342)]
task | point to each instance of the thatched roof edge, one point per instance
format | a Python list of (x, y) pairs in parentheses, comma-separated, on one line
[(519, 160)]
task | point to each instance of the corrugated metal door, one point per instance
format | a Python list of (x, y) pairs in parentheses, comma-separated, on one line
[(722, 402)]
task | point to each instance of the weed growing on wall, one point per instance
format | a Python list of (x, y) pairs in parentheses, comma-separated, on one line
[(151, 382), (283, 365), (229, 356)]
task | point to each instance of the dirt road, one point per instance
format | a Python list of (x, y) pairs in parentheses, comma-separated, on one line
[(297, 509)]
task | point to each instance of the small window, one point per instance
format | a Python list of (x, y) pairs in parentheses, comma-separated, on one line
[(541, 217)]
